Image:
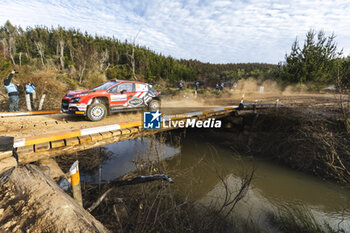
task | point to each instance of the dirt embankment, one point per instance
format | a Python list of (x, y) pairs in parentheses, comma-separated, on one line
[(32, 202), (309, 137)]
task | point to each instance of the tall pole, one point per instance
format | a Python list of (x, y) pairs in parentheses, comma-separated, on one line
[(74, 173)]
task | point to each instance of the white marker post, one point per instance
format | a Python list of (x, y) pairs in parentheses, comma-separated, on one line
[(41, 102), (29, 106), (74, 173)]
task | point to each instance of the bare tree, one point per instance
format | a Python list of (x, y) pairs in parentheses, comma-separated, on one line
[(85, 59), (62, 53), (20, 58), (12, 47), (9, 46), (81, 71), (104, 58), (40, 48), (4, 46), (131, 56)]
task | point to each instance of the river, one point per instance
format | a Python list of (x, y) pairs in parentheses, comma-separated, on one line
[(198, 163)]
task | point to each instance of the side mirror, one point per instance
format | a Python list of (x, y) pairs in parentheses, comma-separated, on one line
[(122, 91)]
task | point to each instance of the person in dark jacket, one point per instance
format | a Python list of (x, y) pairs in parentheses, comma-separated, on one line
[(181, 85), (12, 91), (196, 84)]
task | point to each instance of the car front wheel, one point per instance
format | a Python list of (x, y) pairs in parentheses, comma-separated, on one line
[(96, 112), (154, 105)]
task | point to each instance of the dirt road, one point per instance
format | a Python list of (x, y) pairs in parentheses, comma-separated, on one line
[(36, 125)]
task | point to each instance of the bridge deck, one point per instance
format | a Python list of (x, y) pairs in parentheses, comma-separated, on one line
[(31, 149)]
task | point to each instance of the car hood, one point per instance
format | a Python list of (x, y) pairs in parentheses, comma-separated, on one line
[(77, 92)]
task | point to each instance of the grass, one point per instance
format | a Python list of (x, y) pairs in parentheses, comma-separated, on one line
[(299, 219)]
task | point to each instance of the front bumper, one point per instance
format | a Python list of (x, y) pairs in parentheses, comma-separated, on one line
[(73, 108), (82, 113)]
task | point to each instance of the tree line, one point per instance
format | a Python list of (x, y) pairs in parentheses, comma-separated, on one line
[(77, 54), (318, 60)]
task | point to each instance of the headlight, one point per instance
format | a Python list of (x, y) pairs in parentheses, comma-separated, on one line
[(75, 100), (81, 95)]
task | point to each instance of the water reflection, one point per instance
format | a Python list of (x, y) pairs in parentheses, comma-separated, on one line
[(197, 165), (123, 154)]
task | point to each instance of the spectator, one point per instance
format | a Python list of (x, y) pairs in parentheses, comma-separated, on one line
[(12, 92), (30, 95), (222, 86), (196, 85), (181, 85)]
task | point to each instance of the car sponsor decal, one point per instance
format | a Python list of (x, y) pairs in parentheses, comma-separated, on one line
[(119, 97), (141, 87), (135, 101), (147, 98)]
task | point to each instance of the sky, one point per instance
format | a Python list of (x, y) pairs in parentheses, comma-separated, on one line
[(215, 31)]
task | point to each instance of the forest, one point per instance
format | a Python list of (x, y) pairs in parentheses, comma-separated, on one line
[(80, 56), (80, 59)]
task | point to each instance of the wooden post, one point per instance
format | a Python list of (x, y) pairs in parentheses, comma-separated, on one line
[(35, 105), (242, 99), (29, 106), (276, 104), (75, 176), (254, 106), (42, 101), (241, 105)]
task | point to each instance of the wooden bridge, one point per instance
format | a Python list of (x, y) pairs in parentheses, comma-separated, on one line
[(30, 149)]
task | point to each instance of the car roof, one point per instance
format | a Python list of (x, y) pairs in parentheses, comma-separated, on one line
[(127, 81)]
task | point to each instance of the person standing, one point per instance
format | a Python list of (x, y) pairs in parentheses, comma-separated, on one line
[(30, 95), (181, 85), (222, 86), (12, 92), (197, 85)]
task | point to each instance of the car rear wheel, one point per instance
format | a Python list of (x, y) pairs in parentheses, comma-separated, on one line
[(154, 105), (96, 112)]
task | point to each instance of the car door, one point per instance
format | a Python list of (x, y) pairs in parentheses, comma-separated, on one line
[(118, 95), (129, 90), (141, 90)]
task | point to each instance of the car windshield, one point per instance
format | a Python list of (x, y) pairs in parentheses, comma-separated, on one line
[(104, 86)]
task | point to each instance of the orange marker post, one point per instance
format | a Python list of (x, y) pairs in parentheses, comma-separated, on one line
[(242, 99), (276, 104), (254, 106), (74, 173)]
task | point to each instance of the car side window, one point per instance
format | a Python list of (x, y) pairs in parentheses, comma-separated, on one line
[(128, 87), (113, 89)]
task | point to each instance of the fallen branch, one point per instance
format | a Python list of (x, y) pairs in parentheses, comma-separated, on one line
[(135, 180), (141, 179), (99, 200)]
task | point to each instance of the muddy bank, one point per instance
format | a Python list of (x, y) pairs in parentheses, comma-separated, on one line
[(305, 139), (32, 202)]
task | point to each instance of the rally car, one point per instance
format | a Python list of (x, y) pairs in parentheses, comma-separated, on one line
[(112, 96)]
